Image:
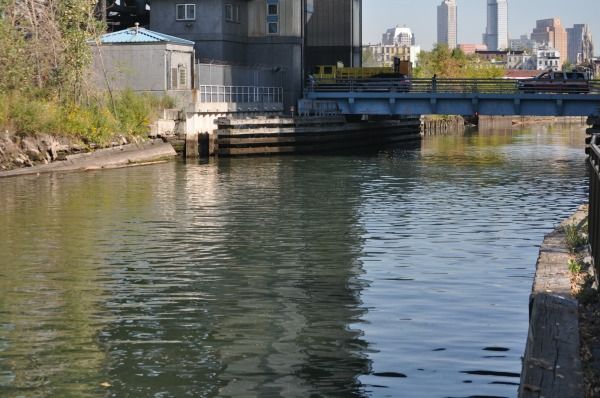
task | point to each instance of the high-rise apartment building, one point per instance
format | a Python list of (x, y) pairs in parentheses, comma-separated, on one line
[(580, 44), (447, 25), (496, 33), (551, 33)]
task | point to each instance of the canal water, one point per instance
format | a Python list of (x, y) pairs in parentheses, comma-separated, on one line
[(403, 272)]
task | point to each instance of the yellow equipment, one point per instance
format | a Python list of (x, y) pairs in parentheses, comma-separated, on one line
[(334, 72)]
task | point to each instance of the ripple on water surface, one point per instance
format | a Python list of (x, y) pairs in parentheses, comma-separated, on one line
[(400, 273)]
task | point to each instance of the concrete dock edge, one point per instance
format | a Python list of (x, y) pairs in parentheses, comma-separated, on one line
[(551, 364)]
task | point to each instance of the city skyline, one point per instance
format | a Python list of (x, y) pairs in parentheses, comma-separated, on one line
[(472, 18)]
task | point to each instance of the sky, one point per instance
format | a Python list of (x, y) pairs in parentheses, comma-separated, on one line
[(421, 17)]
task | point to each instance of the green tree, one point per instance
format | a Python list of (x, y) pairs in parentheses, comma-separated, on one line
[(446, 63)]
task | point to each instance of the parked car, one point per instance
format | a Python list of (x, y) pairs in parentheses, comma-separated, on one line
[(557, 82)]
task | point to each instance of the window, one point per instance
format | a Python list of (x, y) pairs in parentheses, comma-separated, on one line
[(272, 17), (186, 12), (232, 13), (273, 28)]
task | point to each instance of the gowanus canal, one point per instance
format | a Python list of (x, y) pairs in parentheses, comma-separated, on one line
[(403, 272)]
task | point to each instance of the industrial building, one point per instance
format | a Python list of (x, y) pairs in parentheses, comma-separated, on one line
[(289, 36)]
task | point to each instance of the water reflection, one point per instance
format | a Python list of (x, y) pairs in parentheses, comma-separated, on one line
[(400, 273), (246, 291)]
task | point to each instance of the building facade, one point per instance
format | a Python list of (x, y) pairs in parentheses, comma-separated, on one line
[(333, 32), (551, 33), (470, 49), (398, 36), (523, 43), (548, 58), (383, 55), (288, 36), (447, 27), (496, 33), (580, 45)]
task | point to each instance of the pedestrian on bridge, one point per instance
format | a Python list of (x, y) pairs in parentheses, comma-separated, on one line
[(434, 83)]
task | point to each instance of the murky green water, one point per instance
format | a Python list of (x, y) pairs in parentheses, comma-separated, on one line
[(402, 273)]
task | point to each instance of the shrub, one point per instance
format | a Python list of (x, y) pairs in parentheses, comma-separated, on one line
[(30, 116)]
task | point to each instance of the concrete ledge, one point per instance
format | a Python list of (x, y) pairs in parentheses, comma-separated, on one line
[(552, 364), (125, 155)]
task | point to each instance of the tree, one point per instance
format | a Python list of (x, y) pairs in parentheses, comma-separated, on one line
[(446, 63), (43, 45)]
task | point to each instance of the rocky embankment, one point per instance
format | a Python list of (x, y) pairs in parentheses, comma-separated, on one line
[(17, 152), (44, 153)]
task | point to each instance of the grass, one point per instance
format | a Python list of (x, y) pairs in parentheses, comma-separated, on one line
[(574, 238), (575, 267), (95, 121)]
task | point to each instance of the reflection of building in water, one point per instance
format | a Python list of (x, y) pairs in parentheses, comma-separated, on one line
[(255, 294)]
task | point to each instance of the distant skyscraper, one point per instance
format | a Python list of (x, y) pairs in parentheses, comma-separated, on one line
[(496, 33), (398, 36), (580, 44), (551, 33), (447, 26)]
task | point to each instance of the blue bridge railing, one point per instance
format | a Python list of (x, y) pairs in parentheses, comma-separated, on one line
[(482, 86)]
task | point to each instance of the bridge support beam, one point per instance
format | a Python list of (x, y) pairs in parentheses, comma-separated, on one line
[(517, 106), (559, 108), (392, 106), (433, 103)]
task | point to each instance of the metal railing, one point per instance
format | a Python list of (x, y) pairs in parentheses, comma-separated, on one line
[(240, 94), (594, 206), (454, 86)]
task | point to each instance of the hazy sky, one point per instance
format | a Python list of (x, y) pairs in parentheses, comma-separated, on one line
[(421, 17)]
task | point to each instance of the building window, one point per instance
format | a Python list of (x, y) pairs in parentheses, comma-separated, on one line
[(273, 17), (186, 12), (232, 13), (273, 9), (273, 28)]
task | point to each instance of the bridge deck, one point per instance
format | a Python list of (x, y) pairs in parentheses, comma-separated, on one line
[(456, 97)]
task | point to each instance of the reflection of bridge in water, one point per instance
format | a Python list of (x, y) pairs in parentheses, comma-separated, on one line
[(455, 97)]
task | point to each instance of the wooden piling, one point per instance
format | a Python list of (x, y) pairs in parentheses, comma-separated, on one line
[(191, 145)]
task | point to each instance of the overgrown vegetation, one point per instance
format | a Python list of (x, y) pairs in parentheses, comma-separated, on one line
[(92, 120), (446, 63), (44, 61)]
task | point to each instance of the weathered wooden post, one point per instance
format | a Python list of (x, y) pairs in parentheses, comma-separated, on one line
[(191, 145)]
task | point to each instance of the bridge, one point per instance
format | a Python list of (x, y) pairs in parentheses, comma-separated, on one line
[(495, 97)]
